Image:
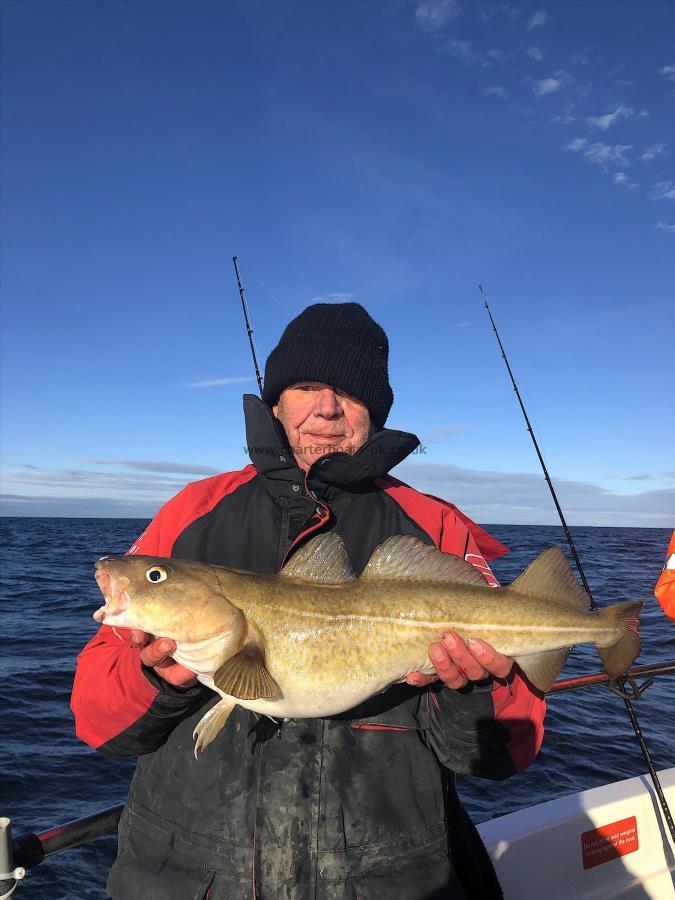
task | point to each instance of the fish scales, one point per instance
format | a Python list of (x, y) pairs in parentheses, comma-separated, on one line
[(317, 641), (327, 634)]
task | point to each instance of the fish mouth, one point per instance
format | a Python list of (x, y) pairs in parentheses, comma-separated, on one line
[(117, 599)]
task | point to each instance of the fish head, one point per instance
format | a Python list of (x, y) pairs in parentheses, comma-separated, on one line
[(173, 598)]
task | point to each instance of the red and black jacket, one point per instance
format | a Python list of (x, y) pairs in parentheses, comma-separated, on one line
[(361, 803)]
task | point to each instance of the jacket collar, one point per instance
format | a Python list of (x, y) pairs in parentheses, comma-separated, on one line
[(270, 453)]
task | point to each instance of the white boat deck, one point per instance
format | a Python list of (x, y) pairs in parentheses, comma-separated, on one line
[(602, 844)]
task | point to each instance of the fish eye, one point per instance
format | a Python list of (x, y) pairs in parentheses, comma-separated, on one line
[(156, 574)]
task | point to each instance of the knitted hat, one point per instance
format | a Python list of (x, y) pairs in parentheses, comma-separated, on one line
[(337, 344)]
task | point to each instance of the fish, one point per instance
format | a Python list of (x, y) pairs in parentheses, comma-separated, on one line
[(315, 640)]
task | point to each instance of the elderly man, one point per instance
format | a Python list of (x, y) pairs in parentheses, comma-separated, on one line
[(357, 805)]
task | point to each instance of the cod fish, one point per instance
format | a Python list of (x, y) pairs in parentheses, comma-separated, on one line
[(315, 640)]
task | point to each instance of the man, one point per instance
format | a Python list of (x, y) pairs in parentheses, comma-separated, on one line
[(357, 805)]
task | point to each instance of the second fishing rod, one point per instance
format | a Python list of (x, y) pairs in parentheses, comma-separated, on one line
[(617, 685)]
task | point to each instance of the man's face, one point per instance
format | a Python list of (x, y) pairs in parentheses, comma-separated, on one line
[(320, 419)]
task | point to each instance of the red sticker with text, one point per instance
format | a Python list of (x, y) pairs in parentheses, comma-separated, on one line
[(599, 845)]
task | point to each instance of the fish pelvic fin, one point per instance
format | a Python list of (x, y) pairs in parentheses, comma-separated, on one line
[(322, 560), (542, 669), (618, 658), (550, 577), (404, 556), (211, 724), (244, 675)]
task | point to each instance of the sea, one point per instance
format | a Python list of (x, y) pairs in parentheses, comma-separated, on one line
[(48, 595)]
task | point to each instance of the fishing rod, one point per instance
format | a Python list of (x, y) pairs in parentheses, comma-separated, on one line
[(568, 534), (601, 678), (249, 330), (617, 685)]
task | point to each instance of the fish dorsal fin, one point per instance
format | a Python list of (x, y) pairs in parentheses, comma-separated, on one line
[(244, 675), (551, 577), (404, 556), (322, 560)]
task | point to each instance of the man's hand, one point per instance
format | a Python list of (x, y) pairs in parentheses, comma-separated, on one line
[(457, 662), (156, 654)]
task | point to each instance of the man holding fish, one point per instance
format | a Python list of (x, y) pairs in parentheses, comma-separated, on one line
[(358, 803)]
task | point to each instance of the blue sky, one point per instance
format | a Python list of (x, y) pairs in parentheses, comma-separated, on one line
[(395, 153)]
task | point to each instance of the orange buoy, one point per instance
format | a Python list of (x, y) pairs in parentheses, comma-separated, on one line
[(664, 590)]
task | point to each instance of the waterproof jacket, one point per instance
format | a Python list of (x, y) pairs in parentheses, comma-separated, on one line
[(357, 805)]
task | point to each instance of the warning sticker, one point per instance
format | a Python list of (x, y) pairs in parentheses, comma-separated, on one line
[(609, 842)]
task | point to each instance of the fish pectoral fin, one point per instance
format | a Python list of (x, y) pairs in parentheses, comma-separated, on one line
[(210, 724), (244, 676), (404, 556), (322, 560), (542, 669)]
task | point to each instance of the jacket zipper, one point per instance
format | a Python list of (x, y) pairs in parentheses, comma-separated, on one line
[(321, 510)]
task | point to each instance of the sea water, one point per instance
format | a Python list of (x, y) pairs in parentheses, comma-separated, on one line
[(48, 595)]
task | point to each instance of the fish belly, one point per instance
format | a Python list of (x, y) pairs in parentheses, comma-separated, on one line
[(300, 701)]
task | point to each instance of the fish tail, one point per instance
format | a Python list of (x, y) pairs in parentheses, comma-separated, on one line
[(620, 656)]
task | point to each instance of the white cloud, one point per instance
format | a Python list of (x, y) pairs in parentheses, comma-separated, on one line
[(663, 190), (85, 507), (601, 154), (485, 495), (653, 151), (664, 226), (335, 297), (466, 52), (535, 53), (623, 179), (551, 85), (582, 57), (566, 117), (538, 19), (433, 15), (32, 481), (547, 86), (216, 382), (145, 465), (512, 12), (608, 119), (463, 51), (523, 498), (496, 90), (668, 72)]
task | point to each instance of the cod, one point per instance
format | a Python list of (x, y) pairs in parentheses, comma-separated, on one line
[(315, 640)]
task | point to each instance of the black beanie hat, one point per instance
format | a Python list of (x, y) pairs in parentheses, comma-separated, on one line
[(337, 344)]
